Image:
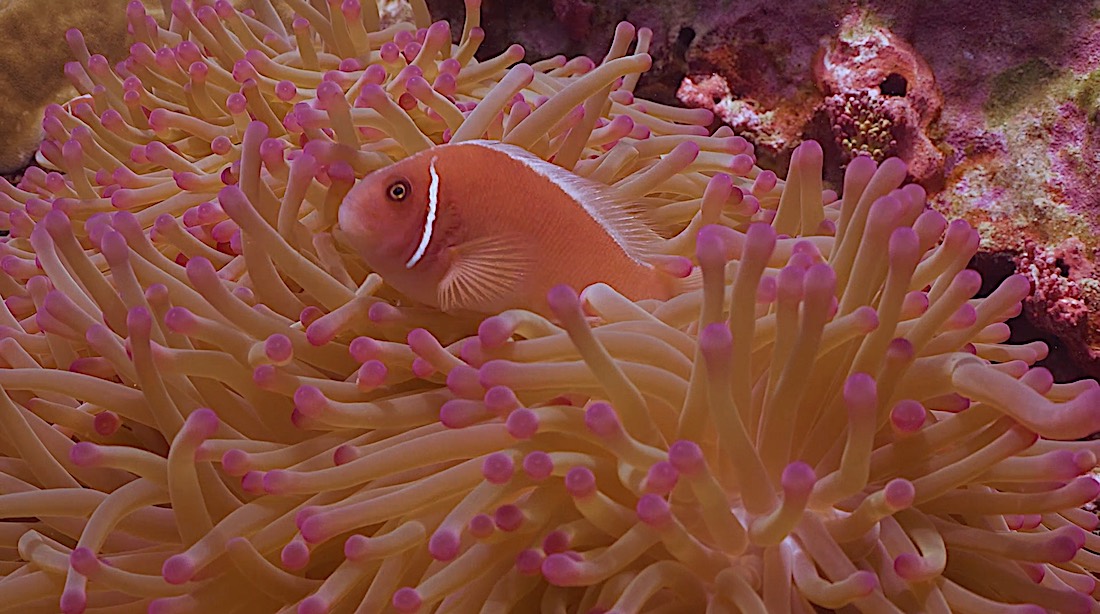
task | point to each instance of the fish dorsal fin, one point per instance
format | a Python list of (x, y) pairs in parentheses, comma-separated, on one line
[(625, 222), (482, 271)]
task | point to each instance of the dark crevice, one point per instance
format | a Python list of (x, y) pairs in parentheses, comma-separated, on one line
[(893, 85)]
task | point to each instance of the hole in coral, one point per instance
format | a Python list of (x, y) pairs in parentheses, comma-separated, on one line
[(893, 85), (685, 37), (1063, 268)]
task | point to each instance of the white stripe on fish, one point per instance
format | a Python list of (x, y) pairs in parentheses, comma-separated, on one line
[(429, 222)]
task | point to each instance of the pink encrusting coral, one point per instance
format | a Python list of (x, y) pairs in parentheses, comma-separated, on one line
[(209, 404)]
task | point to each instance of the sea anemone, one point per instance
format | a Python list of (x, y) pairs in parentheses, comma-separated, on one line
[(208, 404)]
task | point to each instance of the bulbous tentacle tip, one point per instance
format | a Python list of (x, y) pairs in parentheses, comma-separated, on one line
[(522, 423), (295, 555), (538, 465), (495, 331), (899, 494), (85, 454), (73, 601), (314, 604), (564, 301), (580, 482), (798, 478), (444, 545), (202, 423), (407, 600), (653, 510), (601, 420), (178, 569), (686, 457)]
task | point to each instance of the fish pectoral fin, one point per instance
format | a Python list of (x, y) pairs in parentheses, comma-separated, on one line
[(482, 271)]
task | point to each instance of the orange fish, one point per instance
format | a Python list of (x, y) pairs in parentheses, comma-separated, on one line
[(482, 226)]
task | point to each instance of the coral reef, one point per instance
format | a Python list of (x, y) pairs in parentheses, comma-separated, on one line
[(996, 119), (30, 81), (208, 403)]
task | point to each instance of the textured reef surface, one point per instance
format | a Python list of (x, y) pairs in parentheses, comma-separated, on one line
[(993, 107)]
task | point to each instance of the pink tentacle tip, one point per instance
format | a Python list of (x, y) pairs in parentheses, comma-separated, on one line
[(314, 604), (481, 526), (508, 517), (276, 481), (860, 394), (253, 482), (538, 465), (178, 569), (407, 600), (344, 454), (362, 349), (495, 331), (295, 555), (356, 547), (862, 583), (687, 457), (235, 462), (661, 478), (529, 562), (798, 479), (422, 368), (73, 601), (908, 416), (139, 322), (741, 165), (371, 375), (202, 424), (384, 313), (602, 421), (85, 454), (563, 301), (329, 93), (560, 569), (580, 482), (279, 349), (420, 340), (522, 423), (498, 468), (310, 401), (653, 510), (911, 567), (181, 320), (460, 413), (444, 545), (556, 541), (106, 423), (1064, 543), (899, 493), (501, 400), (712, 246), (321, 331), (463, 382)]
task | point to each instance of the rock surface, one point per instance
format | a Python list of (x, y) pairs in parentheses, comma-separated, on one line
[(993, 105)]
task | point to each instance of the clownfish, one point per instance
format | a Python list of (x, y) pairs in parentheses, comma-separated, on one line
[(482, 226)]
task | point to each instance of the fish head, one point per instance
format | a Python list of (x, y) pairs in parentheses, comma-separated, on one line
[(384, 214)]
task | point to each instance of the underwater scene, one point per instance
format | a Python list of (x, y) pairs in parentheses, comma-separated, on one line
[(549, 306)]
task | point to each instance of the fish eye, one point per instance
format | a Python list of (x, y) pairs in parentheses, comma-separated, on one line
[(398, 190)]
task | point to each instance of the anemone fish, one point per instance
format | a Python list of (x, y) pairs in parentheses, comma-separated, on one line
[(482, 226)]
